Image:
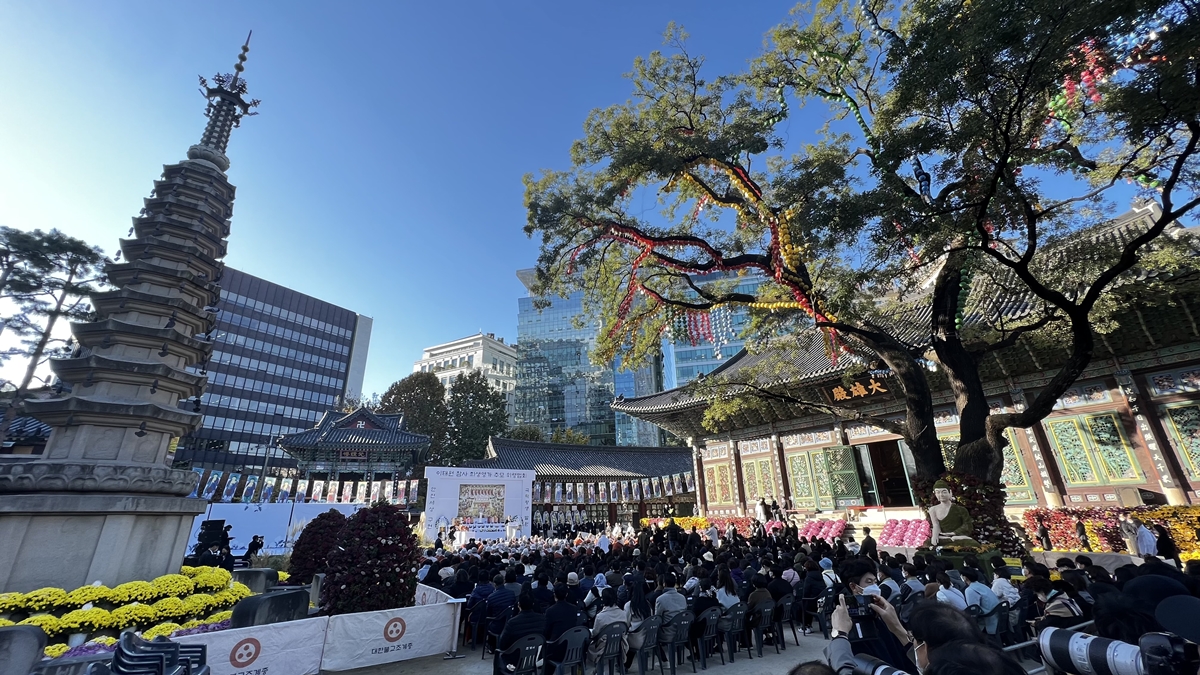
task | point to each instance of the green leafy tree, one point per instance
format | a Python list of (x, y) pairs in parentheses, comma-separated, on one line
[(352, 403), (48, 277), (374, 565), (526, 432), (948, 168), (476, 412), (422, 399), (311, 552), (570, 437)]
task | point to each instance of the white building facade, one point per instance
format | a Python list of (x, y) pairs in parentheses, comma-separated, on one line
[(483, 352)]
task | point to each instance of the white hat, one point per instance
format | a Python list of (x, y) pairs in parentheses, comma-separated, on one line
[(572, 579), (637, 552), (708, 556), (446, 572)]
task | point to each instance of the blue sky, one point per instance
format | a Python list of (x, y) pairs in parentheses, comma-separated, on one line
[(384, 171)]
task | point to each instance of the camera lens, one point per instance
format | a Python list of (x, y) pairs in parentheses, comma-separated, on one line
[(1073, 652)]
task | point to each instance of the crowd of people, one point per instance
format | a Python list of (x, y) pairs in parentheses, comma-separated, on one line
[(917, 607)]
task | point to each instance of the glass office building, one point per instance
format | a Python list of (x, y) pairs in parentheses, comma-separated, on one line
[(282, 358)]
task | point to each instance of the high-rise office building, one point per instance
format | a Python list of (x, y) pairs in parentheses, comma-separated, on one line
[(685, 360), (483, 352), (281, 359), (558, 387)]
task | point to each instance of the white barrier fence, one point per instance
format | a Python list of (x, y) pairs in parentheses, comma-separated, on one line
[(342, 642)]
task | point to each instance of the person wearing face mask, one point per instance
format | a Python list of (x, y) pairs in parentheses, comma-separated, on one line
[(879, 633), (937, 625)]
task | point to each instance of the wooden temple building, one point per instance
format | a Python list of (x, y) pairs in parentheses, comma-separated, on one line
[(357, 446), (1126, 433), (590, 483)]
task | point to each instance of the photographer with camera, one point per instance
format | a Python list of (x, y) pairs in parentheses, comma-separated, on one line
[(868, 623)]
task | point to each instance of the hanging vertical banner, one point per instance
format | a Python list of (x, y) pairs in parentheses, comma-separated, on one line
[(389, 492), (668, 486), (301, 490), (414, 491), (376, 490), (613, 493), (635, 490), (268, 490), (231, 487), (285, 490), (249, 487), (331, 492), (318, 491), (402, 493), (569, 497), (347, 492), (579, 496), (626, 493), (591, 493), (360, 493), (199, 483), (602, 497), (210, 487), (690, 480), (647, 492), (558, 493), (678, 480)]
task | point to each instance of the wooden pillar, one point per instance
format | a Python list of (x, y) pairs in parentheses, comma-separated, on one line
[(1051, 491), (698, 474), (740, 494), (785, 490), (1171, 481)]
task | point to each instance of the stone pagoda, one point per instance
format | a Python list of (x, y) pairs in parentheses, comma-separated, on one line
[(102, 503)]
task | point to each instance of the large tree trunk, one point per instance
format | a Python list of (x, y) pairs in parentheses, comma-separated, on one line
[(976, 455)]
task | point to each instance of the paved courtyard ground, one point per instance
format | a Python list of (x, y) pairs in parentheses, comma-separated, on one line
[(811, 647)]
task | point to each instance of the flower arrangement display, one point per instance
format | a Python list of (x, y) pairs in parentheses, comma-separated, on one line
[(86, 620), (88, 594), (132, 591), (173, 585), (211, 579), (163, 629), (829, 530), (686, 522), (906, 533), (5, 623), (44, 599), (374, 563), (1101, 524), (722, 522), (311, 552), (163, 606), (283, 577)]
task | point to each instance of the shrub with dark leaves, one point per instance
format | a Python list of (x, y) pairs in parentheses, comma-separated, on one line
[(374, 565), (310, 553)]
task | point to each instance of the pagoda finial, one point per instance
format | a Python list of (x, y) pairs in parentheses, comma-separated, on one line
[(226, 108)]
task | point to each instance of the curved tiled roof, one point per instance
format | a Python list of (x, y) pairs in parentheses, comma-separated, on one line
[(583, 461), (28, 429), (333, 433)]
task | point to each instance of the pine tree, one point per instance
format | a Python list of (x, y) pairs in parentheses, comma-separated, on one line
[(374, 565), (49, 276), (311, 551), (526, 432), (422, 399), (476, 412)]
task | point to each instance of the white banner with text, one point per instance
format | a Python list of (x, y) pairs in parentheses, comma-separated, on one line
[(481, 500), (373, 638), (289, 648)]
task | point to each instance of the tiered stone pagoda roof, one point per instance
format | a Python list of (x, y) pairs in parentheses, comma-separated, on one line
[(145, 348)]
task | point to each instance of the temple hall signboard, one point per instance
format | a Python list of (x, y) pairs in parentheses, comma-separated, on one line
[(858, 389)]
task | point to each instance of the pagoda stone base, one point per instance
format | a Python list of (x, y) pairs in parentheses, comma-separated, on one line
[(67, 540)]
